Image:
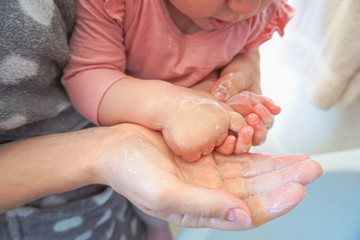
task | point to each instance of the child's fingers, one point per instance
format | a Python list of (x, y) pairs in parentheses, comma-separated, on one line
[(245, 101), (227, 147), (260, 130), (266, 117), (242, 103), (267, 102), (271, 106), (236, 121), (244, 140)]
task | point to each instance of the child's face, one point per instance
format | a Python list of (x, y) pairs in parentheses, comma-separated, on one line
[(216, 14)]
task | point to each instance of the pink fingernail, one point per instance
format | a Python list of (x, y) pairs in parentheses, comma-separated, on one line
[(239, 216), (254, 121), (253, 117), (249, 131)]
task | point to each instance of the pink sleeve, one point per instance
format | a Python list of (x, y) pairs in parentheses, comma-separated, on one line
[(97, 54), (272, 19)]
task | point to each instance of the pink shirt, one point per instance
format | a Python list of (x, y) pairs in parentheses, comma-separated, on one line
[(116, 38)]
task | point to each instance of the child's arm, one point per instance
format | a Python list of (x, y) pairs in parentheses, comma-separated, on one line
[(242, 73), (192, 122)]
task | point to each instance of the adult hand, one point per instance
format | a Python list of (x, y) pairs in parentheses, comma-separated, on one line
[(223, 192)]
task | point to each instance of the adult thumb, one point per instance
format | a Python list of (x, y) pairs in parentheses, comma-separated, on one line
[(205, 207)]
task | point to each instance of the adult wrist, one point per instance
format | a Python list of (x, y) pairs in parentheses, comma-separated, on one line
[(111, 144)]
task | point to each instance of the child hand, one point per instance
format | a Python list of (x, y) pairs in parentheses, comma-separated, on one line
[(231, 88), (258, 110), (224, 89), (259, 113), (233, 83), (199, 124)]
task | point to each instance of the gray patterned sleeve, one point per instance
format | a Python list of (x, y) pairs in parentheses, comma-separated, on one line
[(33, 52)]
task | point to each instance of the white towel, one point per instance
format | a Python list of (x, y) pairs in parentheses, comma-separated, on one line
[(337, 75)]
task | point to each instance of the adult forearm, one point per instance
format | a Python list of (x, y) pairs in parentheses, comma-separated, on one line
[(33, 168)]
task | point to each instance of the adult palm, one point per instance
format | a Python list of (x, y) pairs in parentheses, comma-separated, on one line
[(217, 191)]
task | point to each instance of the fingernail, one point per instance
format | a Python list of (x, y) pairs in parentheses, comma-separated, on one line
[(239, 216), (253, 119), (249, 131)]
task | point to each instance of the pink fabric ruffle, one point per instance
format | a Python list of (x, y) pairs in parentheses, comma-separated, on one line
[(277, 23)]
